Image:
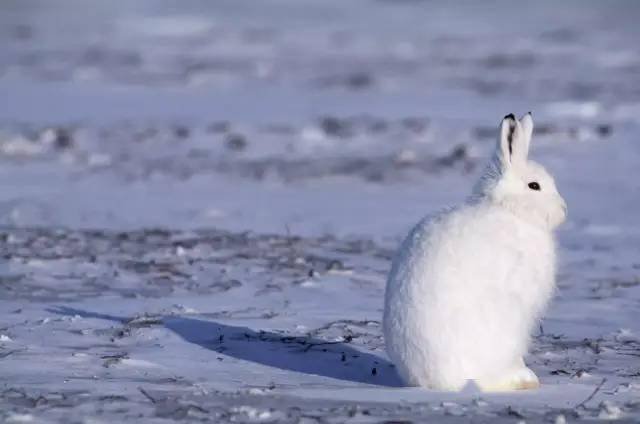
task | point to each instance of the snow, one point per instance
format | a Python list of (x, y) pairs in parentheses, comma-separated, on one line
[(199, 206)]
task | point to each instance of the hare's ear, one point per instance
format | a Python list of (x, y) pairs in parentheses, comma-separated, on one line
[(526, 122), (513, 141)]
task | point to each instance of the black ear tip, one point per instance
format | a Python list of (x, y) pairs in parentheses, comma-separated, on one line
[(510, 117), (529, 113)]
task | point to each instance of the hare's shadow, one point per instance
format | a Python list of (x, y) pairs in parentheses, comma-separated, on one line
[(306, 355)]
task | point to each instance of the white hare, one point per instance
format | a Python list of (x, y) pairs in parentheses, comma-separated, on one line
[(468, 285)]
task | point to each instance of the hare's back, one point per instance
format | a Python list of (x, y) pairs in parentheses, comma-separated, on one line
[(461, 247)]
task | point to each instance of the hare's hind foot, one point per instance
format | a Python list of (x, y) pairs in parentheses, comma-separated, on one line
[(521, 378)]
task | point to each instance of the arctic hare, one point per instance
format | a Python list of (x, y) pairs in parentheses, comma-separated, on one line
[(468, 284)]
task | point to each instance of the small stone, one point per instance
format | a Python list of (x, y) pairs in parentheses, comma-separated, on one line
[(181, 131), (60, 138), (335, 127), (236, 142), (64, 138), (359, 80), (604, 130)]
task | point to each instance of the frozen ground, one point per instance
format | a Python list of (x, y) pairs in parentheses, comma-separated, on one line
[(198, 210)]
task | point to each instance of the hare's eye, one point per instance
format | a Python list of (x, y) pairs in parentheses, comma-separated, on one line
[(534, 186)]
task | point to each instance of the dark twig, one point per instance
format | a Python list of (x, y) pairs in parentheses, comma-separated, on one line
[(10, 352), (147, 395), (312, 345), (597, 389)]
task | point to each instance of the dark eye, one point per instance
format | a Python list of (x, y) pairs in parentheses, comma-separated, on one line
[(534, 186)]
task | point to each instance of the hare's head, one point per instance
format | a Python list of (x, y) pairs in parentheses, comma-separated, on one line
[(518, 184)]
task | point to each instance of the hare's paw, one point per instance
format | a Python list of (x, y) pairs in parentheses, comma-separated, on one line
[(525, 379), (521, 378)]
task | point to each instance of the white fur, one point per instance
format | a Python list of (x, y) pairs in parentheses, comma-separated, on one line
[(468, 284)]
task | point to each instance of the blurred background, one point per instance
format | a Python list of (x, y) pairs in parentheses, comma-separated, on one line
[(328, 117), (226, 181)]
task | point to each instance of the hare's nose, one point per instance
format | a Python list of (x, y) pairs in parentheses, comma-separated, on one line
[(564, 207)]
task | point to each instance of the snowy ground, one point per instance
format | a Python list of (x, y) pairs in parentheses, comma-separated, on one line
[(198, 209)]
